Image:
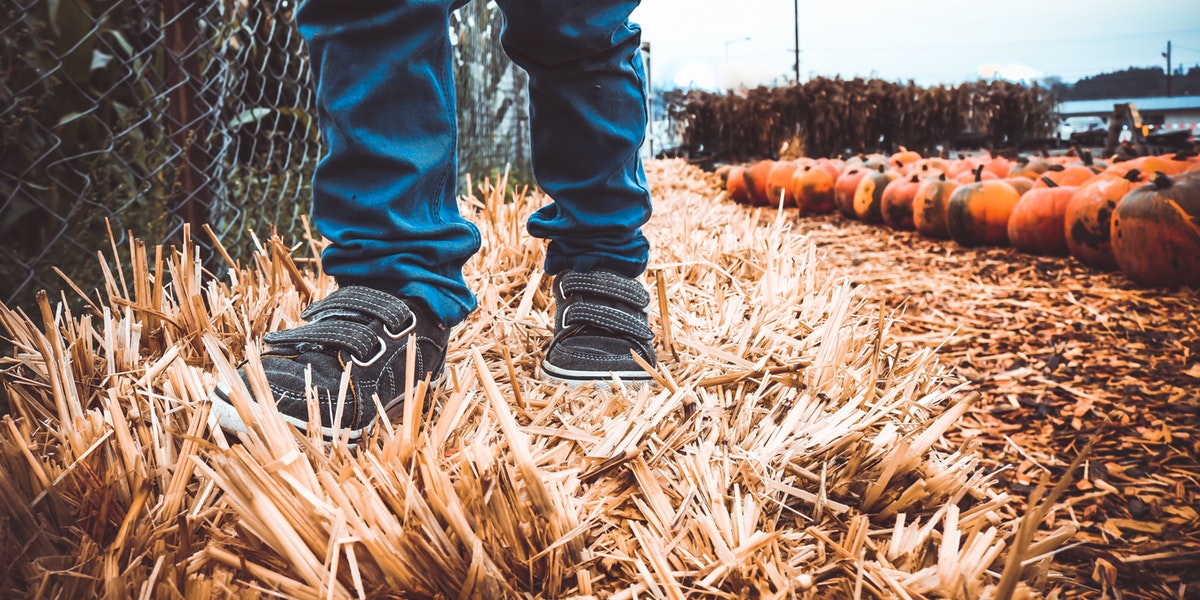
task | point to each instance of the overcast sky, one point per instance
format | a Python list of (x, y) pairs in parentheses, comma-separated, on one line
[(929, 41)]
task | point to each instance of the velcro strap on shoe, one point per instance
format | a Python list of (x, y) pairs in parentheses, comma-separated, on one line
[(604, 284), (607, 318), (358, 339), (357, 302)]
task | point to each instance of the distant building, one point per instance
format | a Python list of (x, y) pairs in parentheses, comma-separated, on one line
[(1159, 113)]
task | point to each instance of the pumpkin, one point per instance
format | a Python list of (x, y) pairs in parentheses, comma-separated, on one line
[(813, 187), (971, 176), (1156, 232), (1069, 175), (756, 181), (1031, 168), (956, 166), (929, 207), (875, 161), (834, 166), (1193, 167), (996, 165), (977, 213), (1036, 223), (896, 204), (844, 187), (902, 158), (928, 168), (1021, 184), (735, 185), (1087, 223), (1170, 164), (868, 196), (779, 184)]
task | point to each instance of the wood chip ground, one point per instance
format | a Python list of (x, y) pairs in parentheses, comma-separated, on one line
[(1063, 354)]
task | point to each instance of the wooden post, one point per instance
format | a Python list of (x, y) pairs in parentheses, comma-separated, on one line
[(1114, 128)]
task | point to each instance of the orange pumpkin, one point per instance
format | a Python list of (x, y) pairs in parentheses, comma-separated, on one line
[(844, 187), (928, 167), (868, 196), (1156, 232), (996, 165), (779, 184), (1087, 223), (735, 185), (834, 166), (1069, 175), (756, 181), (977, 213), (896, 204), (971, 176), (904, 157), (1170, 164), (813, 187), (929, 207), (1036, 223)]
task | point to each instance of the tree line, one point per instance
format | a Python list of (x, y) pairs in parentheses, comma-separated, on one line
[(1134, 82)]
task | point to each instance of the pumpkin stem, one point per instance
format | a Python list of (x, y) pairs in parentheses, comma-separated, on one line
[(1087, 158), (1050, 183), (1056, 168), (915, 178), (942, 177), (979, 174), (1162, 181), (1133, 175)]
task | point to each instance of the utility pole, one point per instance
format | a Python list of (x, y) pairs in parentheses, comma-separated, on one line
[(797, 20), (1167, 54)]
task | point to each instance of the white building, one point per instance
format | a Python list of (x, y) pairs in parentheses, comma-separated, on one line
[(1159, 113)]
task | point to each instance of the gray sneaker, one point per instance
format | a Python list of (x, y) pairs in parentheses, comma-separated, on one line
[(599, 319), (357, 327)]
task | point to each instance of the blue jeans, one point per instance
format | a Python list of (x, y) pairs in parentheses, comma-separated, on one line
[(384, 191)]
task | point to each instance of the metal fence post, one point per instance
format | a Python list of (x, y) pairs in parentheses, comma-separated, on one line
[(191, 196)]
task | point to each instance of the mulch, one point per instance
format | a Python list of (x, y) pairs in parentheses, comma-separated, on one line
[(1063, 354)]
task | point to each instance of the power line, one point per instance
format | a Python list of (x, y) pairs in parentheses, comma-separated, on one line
[(1006, 43)]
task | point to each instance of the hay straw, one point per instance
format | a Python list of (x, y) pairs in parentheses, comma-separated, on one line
[(791, 449)]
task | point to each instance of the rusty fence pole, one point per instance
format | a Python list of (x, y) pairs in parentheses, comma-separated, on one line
[(191, 196)]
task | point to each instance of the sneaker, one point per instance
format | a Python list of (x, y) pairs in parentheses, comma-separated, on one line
[(599, 319), (361, 328)]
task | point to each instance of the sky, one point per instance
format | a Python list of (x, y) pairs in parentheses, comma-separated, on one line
[(725, 44)]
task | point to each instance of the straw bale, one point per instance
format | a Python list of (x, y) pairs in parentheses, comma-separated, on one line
[(793, 448)]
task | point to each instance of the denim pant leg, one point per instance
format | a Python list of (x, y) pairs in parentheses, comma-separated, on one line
[(588, 119), (384, 191)]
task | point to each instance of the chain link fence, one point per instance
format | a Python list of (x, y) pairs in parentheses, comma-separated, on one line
[(146, 116)]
